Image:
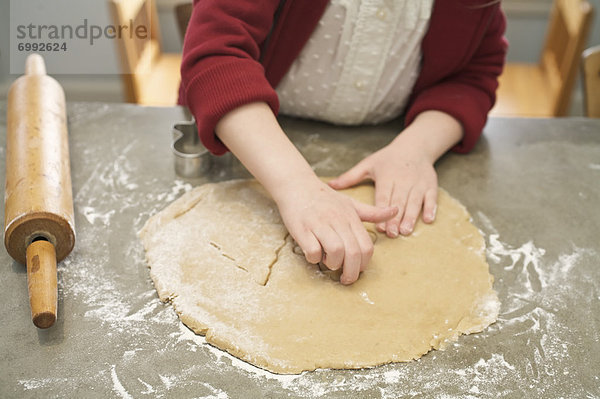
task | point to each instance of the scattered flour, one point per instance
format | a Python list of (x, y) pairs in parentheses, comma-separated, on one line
[(366, 298), (117, 386), (149, 389), (168, 381), (179, 188), (39, 383), (531, 286)]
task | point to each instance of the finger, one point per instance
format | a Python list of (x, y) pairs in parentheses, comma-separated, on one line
[(333, 247), (430, 205), (352, 257), (399, 197), (351, 177), (310, 246), (413, 208), (374, 214), (383, 196), (366, 244)]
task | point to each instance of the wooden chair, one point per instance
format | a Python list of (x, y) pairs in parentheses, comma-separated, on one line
[(150, 77), (544, 89), (591, 81)]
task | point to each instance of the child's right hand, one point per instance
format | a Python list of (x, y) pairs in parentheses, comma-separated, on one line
[(327, 225)]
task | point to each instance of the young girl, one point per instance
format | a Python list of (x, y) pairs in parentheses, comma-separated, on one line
[(347, 62)]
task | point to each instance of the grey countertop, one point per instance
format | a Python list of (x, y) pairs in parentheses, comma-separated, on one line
[(532, 187)]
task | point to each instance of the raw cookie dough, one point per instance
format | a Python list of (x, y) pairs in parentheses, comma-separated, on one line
[(222, 256)]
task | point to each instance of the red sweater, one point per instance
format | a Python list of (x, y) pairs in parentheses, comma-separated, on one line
[(233, 55)]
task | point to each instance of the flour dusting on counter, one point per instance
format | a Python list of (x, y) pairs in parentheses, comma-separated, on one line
[(114, 338), (524, 276), (117, 386), (149, 336)]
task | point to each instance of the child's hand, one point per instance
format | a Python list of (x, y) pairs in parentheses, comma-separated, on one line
[(402, 179), (403, 171), (327, 226)]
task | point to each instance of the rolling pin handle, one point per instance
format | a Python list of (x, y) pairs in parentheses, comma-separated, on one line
[(42, 282), (34, 65)]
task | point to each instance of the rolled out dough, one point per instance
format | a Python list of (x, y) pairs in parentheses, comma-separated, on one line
[(222, 256)]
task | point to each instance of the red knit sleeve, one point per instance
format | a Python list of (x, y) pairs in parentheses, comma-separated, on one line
[(469, 94), (220, 69)]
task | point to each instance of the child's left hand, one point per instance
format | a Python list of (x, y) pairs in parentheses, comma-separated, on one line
[(402, 179), (403, 171)]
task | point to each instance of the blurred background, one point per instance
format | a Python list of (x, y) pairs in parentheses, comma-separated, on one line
[(527, 28)]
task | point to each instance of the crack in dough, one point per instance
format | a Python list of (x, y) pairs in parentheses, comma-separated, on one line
[(418, 293), (277, 252)]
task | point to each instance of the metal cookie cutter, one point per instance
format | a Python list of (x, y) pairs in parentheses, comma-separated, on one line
[(192, 159)]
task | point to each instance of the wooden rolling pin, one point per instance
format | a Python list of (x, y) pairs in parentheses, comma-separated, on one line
[(38, 210)]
